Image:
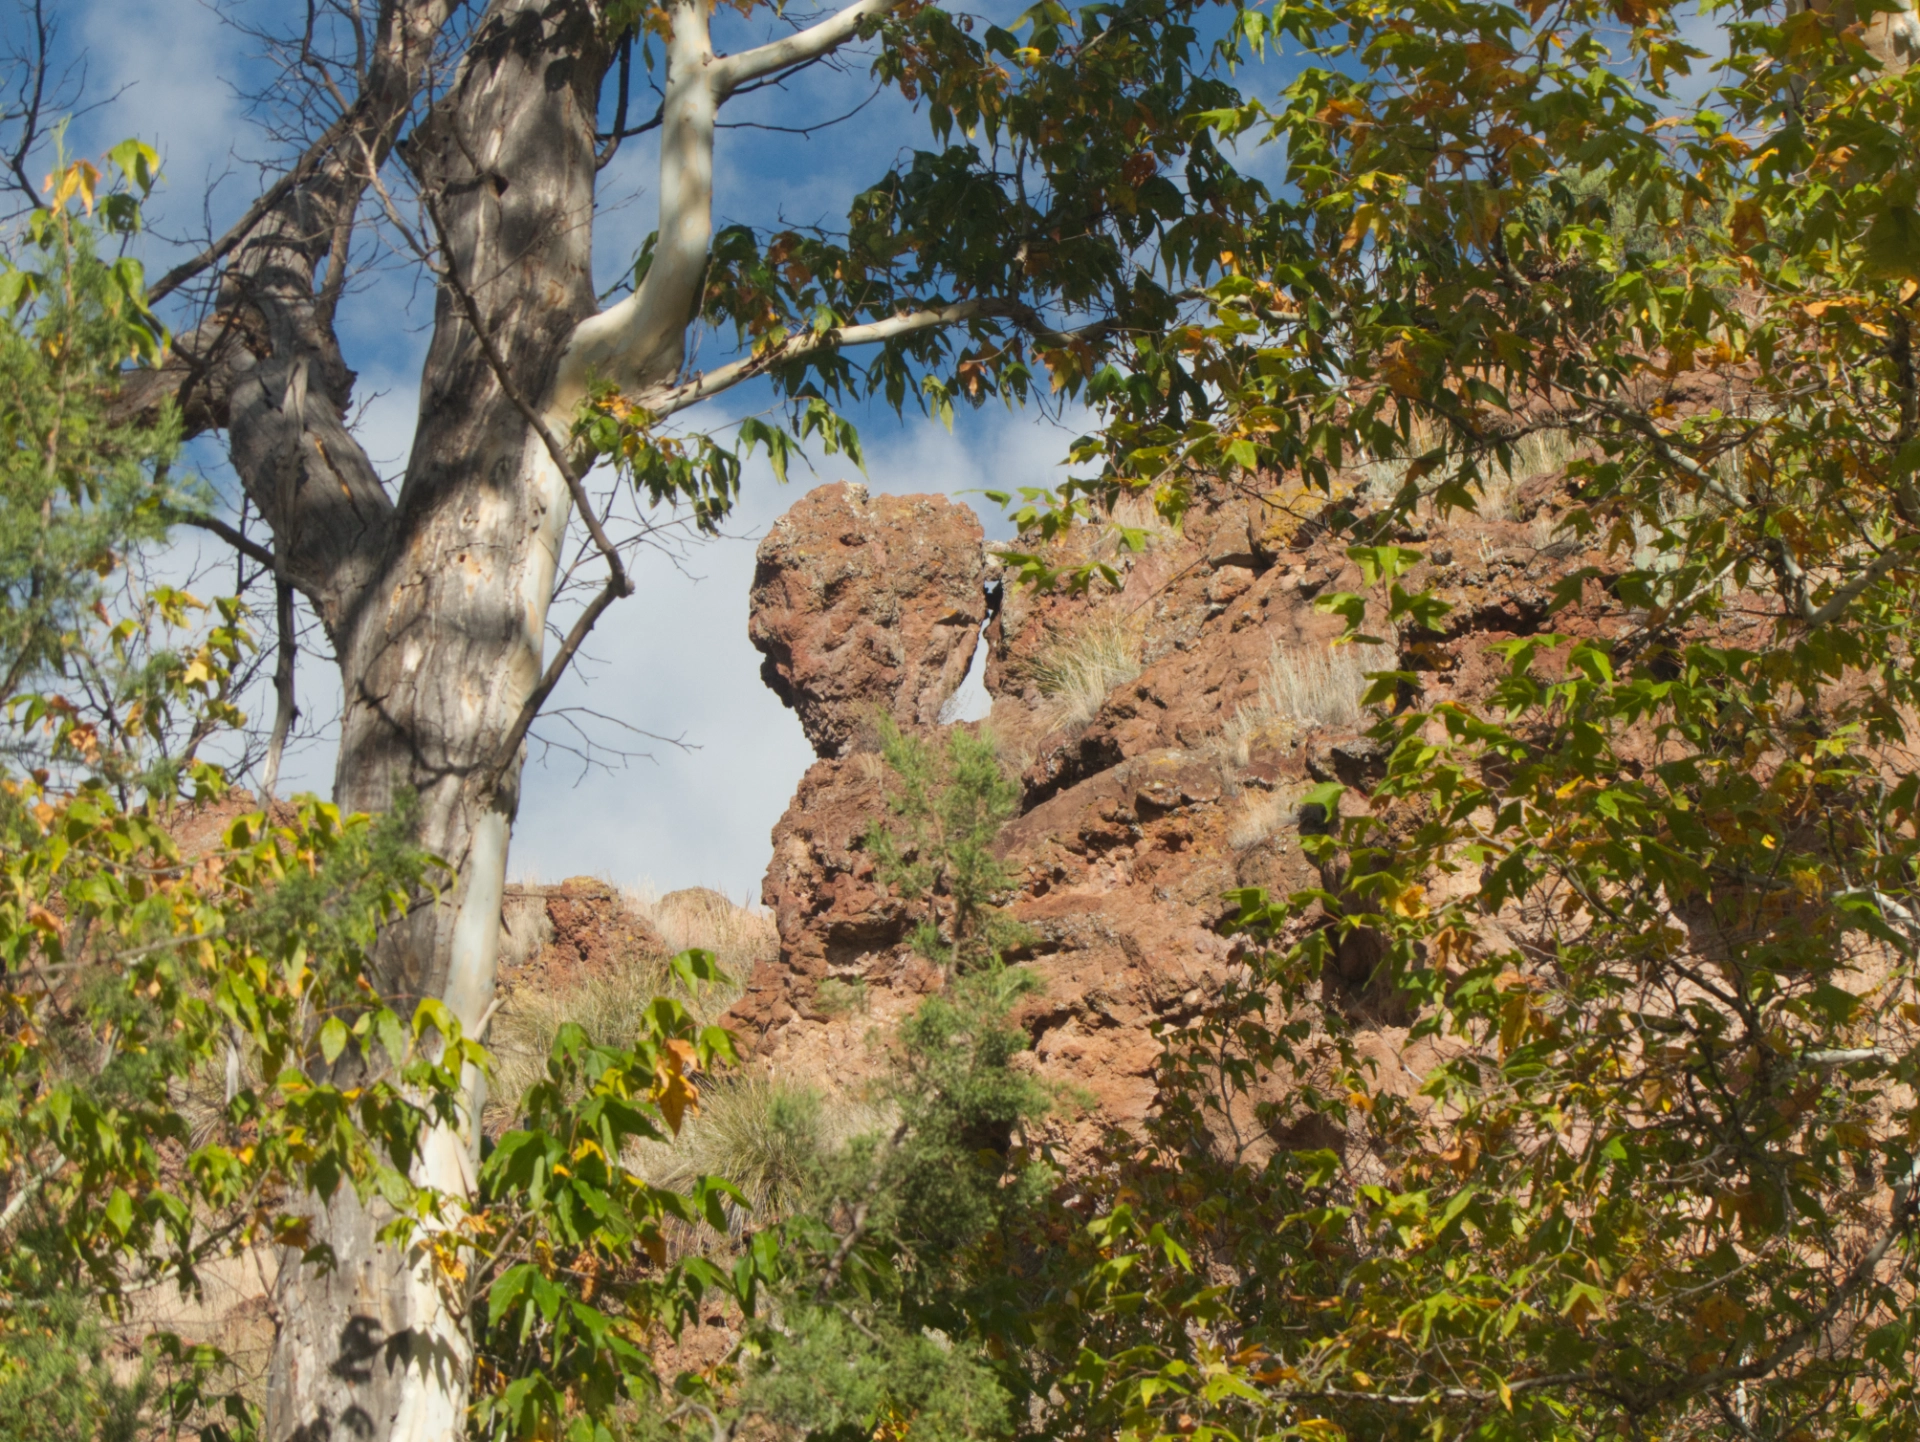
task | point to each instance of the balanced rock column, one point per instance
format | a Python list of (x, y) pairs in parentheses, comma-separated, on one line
[(863, 606)]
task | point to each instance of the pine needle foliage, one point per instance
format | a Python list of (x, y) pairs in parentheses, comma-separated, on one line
[(889, 1289), (79, 490), (951, 800), (57, 1384)]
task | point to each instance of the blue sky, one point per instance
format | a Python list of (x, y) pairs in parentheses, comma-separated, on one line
[(674, 659)]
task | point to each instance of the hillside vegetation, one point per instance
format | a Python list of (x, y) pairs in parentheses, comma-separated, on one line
[(1424, 946)]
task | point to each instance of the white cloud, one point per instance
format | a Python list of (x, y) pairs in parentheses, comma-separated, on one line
[(675, 659), (165, 64)]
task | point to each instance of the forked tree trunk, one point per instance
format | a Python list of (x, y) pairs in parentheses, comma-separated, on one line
[(436, 601), (438, 656)]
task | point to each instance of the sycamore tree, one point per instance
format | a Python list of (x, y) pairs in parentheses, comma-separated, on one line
[(1669, 1181), (194, 1045), (1049, 206)]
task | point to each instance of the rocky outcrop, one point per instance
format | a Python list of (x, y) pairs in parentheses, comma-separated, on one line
[(1145, 803), (556, 937), (865, 604)]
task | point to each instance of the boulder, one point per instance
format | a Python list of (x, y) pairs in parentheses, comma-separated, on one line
[(867, 604)]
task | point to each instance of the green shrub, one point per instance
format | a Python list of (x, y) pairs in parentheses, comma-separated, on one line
[(56, 1382), (838, 997), (951, 801)]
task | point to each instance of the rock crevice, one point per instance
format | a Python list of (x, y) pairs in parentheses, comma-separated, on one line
[(1178, 779)]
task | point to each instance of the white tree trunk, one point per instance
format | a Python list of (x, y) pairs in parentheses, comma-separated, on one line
[(437, 601)]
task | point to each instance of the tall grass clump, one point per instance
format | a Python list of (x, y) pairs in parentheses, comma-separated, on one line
[(770, 1138), (609, 1006), (698, 916), (1304, 686), (1077, 672), (1536, 454)]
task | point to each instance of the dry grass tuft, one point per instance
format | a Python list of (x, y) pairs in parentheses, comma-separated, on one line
[(1303, 686), (767, 1137), (1538, 454), (1136, 513), (1262, 814), (610, 1007), (698, 916), (1077, 672)]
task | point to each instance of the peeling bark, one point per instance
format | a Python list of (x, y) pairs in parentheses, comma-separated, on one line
[(440, 650), (436, 599)]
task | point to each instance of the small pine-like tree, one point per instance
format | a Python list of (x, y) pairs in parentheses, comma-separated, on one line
[(891, 1284), (951, 801), (79, 490)]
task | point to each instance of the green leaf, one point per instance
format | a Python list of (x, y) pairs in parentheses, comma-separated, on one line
[(1891, 246), (511, 1286), (1346, 604), (333, 1039), (119, 1212), (1383, 563)]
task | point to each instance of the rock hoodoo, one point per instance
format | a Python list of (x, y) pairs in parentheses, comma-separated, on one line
[(1164, 729), (867, 602)]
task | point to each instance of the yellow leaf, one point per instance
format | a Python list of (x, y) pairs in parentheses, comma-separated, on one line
[(1410, 903), (1366, 218), (675, 1095), (80, 176)]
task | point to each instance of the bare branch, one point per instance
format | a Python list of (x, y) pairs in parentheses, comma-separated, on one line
[(556, 668), (616, 571), (607, 151), (246, 546), (272, 196), (701, 387), (31, 107), (1844, 597), (284, 708), (733, 71), (799, 129), (26, 1191), (712, 383)]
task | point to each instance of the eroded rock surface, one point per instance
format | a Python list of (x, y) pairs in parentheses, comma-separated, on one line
[(555, 937), (867, 602), (1144, 803)]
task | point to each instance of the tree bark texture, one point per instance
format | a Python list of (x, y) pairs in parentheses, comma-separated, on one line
[(439, 643), (435, 598)]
